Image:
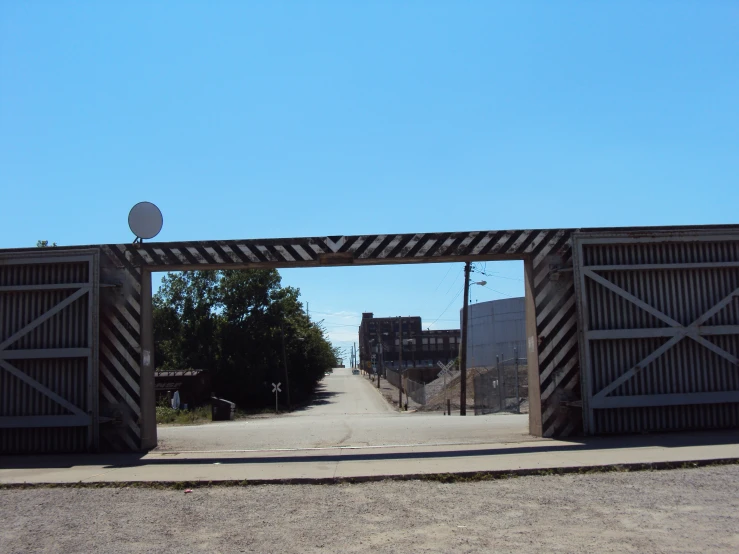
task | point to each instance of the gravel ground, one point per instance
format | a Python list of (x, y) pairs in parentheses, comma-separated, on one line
[(693, 510)]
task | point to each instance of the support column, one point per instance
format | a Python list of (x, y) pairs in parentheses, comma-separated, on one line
[(532, 352), (148, 396)]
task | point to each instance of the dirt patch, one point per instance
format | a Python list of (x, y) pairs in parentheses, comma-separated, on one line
[(694, 510)]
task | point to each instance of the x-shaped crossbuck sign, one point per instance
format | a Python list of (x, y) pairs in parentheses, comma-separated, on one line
[(276, 388), (445, 367)]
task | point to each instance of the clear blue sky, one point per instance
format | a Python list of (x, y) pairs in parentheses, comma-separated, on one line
[(274, 119)]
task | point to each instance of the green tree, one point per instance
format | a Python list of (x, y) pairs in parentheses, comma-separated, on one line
[(232, 324), (44, 244)]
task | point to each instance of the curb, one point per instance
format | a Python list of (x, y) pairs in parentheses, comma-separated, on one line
[(461, 477)]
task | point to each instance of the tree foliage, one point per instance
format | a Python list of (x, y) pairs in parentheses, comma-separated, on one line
[(231, 323)]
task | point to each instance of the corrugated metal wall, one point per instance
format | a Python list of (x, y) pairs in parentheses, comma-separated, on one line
[(659, 331), (56, 355)]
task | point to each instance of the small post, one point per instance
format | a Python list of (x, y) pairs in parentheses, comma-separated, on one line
[(400, 364), (500, 382), (449, 406), (518, 396), (276, 389), (382, 363), (284, 361)]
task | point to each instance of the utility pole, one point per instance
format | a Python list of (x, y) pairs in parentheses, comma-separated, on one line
[(284, 360), (463, 351), (400, 364), (379, 346), (355, 355)]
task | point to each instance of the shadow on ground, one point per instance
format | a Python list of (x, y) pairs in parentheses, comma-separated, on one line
[(115, 461), (321, 397)]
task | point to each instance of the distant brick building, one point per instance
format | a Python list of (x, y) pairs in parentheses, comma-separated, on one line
[(420, 348)]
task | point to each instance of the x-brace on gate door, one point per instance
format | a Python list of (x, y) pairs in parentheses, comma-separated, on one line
[(49, 350), (659, 330)]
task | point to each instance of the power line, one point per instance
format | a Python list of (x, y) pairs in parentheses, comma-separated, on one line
[(444, 278), (445, 309), (496, 276), (501, 293), (450, 286)]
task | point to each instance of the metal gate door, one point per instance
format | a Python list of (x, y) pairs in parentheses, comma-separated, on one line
[(49, 351), (659, 330)]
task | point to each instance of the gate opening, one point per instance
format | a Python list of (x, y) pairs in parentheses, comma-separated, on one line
[(397, 334)]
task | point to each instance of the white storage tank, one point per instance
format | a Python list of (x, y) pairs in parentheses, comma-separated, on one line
[(495, 328)]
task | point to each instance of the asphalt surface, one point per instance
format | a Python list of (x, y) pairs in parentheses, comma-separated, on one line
[(347, 411)]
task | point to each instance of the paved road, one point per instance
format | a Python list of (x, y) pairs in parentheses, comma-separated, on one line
[(347, 411)]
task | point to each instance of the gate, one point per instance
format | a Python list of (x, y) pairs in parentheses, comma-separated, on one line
[(659, 330), (49, 351)]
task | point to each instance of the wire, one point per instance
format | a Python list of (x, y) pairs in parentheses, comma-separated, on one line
[(444, 278), (445, 309), (452, 285), (496, 276), (501, 293)]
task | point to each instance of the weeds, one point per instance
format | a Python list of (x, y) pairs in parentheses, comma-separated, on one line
[(166, 414)]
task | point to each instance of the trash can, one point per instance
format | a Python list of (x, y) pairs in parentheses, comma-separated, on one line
[(222, 410)]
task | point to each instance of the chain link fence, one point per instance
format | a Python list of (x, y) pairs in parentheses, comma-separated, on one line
[(490, 389), (503, 388)]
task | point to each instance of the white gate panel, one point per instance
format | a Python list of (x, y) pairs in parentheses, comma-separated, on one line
[(49, 351), (659, 330)]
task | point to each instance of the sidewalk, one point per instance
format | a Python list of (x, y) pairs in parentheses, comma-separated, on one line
[(326, 465), (390, 393)]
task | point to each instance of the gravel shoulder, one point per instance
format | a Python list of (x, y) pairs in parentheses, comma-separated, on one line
[(693, 510)]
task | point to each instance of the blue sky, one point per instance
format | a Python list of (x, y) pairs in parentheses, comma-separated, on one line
[(274, 119)]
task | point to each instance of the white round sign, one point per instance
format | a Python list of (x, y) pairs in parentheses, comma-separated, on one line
[(145, 220)]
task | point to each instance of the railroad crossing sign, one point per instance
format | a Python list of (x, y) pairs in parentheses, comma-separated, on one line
[(276, 389), (445, 368)]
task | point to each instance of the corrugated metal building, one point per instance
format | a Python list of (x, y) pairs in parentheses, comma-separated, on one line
[(495, 328)]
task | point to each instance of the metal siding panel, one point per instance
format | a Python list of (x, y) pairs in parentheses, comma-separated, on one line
[(683, 294), (33, 354)]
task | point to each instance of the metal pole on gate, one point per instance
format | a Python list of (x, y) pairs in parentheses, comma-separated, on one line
[(518, 396)]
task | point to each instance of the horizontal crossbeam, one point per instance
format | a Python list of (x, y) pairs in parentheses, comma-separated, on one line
[(51, 286), (44, 421), (651, 267), (43, 353), (642, 401), (642, 333)]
